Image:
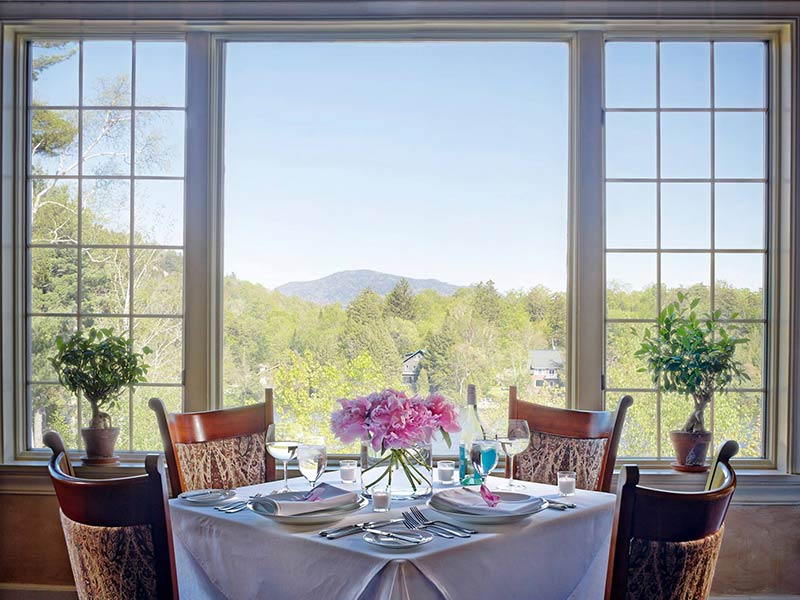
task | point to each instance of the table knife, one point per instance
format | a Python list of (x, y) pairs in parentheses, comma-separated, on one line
[(406, 537), (334, 534)]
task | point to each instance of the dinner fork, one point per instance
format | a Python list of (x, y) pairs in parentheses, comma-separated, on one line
[(451, 526), (410, 523), (235, 507)]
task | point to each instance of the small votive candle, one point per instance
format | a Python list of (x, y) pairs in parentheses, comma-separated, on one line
[(348, 471), (566, 483), (446, 470), (382, 499)]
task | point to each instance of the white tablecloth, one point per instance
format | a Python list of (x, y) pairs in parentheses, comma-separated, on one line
[(553, 554)]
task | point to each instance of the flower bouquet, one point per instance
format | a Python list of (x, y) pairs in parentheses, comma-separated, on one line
[(395, 431)]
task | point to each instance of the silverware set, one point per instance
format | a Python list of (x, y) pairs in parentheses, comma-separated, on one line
[(414, 519), (235, 507), (558, 505), (345, 530)]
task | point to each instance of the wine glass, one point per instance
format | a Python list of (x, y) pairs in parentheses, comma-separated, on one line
[(516, 441), (283, 451), (484, 455), (312, 458)]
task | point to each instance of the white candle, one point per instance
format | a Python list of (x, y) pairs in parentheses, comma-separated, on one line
[(446, 470), (381, 500), (566, 483), (348, 471)]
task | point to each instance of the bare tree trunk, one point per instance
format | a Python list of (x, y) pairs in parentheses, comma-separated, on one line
[(696, 421)]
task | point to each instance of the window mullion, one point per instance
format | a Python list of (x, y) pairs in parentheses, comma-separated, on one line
[(198, 376), (586, 262)]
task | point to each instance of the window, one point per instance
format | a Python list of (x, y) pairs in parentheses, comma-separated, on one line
[(686, 211), (395, 214), (105, 219)]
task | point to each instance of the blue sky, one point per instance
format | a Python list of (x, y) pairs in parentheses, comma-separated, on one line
[(449, 160)]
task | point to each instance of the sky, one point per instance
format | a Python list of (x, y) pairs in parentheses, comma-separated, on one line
[(449, 160)]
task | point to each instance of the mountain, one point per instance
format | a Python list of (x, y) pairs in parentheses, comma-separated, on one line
[(345, 285)]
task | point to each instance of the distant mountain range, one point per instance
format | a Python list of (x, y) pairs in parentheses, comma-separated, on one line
[(345, 285)]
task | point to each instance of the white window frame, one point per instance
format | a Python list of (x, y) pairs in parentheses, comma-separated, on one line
[(203, 222)]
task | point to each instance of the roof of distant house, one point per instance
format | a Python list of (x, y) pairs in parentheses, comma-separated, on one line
[(413, 354), (545, 359)]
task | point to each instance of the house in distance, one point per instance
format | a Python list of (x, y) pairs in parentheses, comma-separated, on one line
[(547, 368)]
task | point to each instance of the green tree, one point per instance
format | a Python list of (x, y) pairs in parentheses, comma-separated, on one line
[(400, 301)]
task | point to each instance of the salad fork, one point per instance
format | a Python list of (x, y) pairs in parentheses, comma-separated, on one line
[(450, 526), (411, 523), (235, 507)]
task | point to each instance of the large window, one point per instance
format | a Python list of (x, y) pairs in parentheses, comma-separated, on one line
[(686, 211), (395, 215), (105, 219)]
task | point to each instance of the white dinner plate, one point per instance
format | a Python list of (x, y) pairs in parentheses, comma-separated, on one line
[(395, 543), (497, 519), (209, 497), (315, 518)]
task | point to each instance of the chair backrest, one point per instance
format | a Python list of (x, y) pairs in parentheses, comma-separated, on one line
[(53, 441), (217, 448), (564, 439), (665, 544), (118, 533), (716, 476)]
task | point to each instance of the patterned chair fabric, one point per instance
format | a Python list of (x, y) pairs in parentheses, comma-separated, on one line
[(549, 453), (225, 463), (672, 570), (111, 563)]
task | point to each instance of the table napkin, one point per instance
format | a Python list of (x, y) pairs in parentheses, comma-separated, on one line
[(470, 502), (292, 503)]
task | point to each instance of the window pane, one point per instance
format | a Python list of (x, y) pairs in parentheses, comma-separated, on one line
[(158, 212), (105, 284), (751, 353), (675, 410), (106, 211), (685, 79), (739, 215), (54, 142), (163, 336), (160, 73), (739, 145), (55, 73), (107, 73), (54, 211), (740, 416), (631, 286), (622, 367), (630, 75), (686, 215), (314, 285), (685, 145), (159, 142), (640, 434), (145, 430), (106, 142), (689, 273), (159, 277), (740, 285), (43, 344), (739, 74), (630, 145), (53, 407), (54, 280), (630, 215)]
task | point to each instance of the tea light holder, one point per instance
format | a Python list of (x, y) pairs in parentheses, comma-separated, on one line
[(566, 483), (446, 470), (348, 471), (381, 499)]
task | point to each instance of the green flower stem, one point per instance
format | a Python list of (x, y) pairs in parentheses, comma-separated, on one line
[(402, 459)]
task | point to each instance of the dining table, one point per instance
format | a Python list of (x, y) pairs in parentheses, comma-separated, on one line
[(549, 555)]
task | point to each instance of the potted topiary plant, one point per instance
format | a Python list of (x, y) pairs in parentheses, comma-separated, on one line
[(692, 356), (99, 364)]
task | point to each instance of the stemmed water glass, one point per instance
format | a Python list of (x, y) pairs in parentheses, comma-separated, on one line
[(484, 455), (312, 458), (281, 450), (517, 440)]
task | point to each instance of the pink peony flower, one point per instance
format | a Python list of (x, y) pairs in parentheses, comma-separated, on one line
[(489, 497), (350, 422), (445, 414)]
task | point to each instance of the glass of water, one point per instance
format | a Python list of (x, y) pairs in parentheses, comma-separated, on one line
[(517, 440), (283, 450), (312, 458), (484, 455)]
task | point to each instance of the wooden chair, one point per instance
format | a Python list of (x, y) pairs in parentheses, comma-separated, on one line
[(118, 532), (726, 452), (568, 440), (53, 441), (665, 544), (217, 448)]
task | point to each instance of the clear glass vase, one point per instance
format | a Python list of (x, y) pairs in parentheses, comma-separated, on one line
[(408, 471)]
